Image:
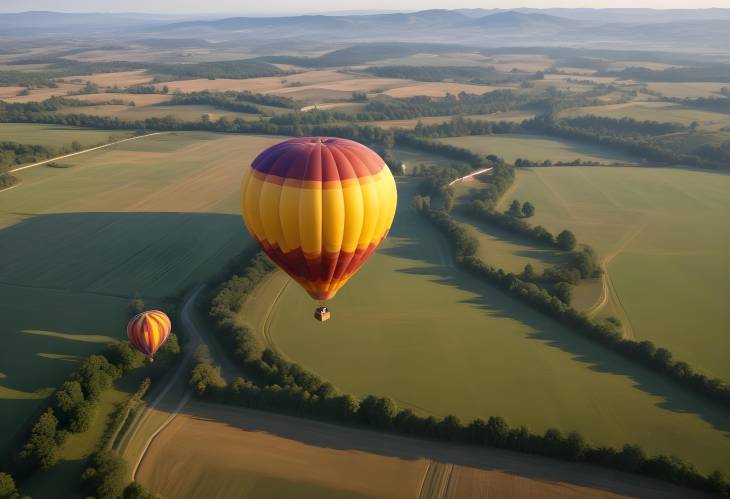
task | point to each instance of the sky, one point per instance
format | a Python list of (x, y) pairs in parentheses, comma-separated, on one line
[(244, 7)]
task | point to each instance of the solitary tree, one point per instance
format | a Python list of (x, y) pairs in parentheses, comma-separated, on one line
[(566, 240), (515, 209), (528, 209), (564, 292), (529, 273)]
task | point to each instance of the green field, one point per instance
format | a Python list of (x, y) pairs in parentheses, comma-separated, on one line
[(184, 113), (537, 148), (438, 341), (56, 135), (656, 111), (151, 216), (665, 234)]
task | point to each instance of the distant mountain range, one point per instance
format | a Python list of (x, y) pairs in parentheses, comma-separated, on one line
[(682, 30)]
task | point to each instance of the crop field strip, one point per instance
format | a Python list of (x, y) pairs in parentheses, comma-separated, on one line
[(325, 461)]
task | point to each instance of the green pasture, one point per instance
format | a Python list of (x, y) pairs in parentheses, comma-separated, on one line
[(654, 111), (537, 148), (151, 216), (665, 234), (184, 113), (57, 135), (440, 342)]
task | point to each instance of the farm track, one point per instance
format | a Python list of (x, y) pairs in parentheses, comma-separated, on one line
[(84, 151), (608, 289), (194, 340)]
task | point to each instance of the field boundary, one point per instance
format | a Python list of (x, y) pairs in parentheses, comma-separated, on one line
[(96, 148)]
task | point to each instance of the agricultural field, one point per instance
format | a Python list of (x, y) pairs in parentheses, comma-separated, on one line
[(668, 271), (685, 90), (537, 148), (120, 79), (442, 342), (10, 94), (260, 85), (138, 99), (184, 113), (655, 111), (438, 89), (151, 216), (220, 448), (455, 59), (514, 116), (57, 135)]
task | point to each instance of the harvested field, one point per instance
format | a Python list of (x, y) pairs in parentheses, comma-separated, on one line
[(139, 99), (118, 79), (10, 94), (258, 85), (221, 451), (439, 89)]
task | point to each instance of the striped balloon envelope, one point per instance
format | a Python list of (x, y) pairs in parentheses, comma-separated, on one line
[(319, 207), (148, 330)]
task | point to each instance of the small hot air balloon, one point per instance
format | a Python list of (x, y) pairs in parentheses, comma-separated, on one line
[(319, 207), (148, 330)]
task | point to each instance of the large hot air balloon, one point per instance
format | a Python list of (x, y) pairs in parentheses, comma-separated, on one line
[(319, 207), (148, 330)]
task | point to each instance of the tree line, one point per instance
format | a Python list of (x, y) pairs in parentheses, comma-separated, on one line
[(645, 352), (72, 408), (483, 75), (234, 101), (642, 146), (273, 383)]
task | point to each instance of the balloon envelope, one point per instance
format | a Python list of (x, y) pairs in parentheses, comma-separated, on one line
[(319, 207), (148, 331)]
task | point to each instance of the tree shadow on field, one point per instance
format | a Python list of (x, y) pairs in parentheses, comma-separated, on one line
[(415, 239), (542, 470), (66, 281)]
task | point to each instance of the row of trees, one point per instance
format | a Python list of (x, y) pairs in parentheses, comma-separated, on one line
[(272, 383), (622, 126), (640, 145), (234, 101), (73, 404), (72, 410)]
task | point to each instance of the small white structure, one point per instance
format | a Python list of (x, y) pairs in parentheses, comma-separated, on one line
[(402, 168)]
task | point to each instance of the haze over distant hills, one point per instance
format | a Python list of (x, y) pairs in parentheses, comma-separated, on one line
[(608, 28)]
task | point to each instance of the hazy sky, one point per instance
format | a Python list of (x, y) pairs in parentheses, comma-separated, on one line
[(300, 6)]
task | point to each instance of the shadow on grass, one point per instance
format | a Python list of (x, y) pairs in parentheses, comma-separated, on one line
[(66, 280), (416, 240)]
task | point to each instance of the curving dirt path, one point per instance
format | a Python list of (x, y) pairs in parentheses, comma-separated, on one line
[(608, 289), (167, 396)]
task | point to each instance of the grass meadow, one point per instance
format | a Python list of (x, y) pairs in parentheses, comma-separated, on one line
[(665, 235), (151, 216), (439, 341), (57, 135), (537, 148)]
